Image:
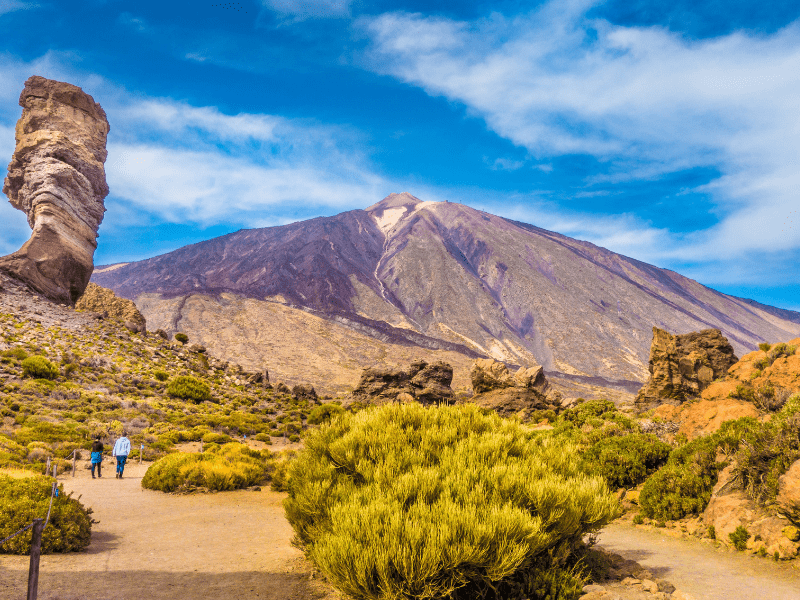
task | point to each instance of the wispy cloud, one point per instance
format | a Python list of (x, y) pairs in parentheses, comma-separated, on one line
[(7, 6), (309, 9), (644, 101)]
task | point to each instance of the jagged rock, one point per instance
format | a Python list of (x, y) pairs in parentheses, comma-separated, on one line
[(788, 499), (488, 374), (682, 366), (101, 300), (261, 377), (56, 177), (283, 388), (423, 382), (304, 392), (521, 393)]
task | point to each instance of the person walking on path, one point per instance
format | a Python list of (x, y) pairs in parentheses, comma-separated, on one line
[(121, 450), (97, 455)]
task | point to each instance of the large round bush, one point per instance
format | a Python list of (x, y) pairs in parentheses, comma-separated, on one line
[(38, 367), (229, 467), (189, 388), (404, 501), (27, 498), (627, 460)]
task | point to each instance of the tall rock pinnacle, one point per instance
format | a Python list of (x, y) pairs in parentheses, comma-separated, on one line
[(56, 177)]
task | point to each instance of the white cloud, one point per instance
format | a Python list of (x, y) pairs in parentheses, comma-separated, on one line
[(645, 101), (7, 6), (309, 9)]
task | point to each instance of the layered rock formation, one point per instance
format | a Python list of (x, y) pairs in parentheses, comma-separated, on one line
[(788, 499), (682, 366), (57, 178), (521, 393), (423, 382), (101, 300)]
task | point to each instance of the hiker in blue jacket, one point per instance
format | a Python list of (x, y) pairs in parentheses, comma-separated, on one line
[(121, 450), (97, 455)]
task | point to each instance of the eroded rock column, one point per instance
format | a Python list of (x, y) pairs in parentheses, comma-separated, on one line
[(57, 178)]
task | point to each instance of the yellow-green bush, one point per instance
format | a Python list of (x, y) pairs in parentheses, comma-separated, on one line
[(323, 413), (216, 438), (38, 367), (229, 467), (403, 501), (189, 388), (627, 460), (25, 499)]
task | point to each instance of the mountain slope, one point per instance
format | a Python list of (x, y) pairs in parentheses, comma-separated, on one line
[(477, 283)]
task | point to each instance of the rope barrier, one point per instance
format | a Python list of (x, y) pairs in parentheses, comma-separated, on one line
[(29, 525)]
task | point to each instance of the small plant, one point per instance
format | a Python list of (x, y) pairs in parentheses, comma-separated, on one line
[(161, 375), (189, 388), (711, 532), (764, 346), (161, 333), (638, 519), (38, 367), (181, 337), (739, 538)]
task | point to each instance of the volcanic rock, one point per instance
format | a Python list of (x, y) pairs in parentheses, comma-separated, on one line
[(56, 177), (102, 300), (508, 394), (788, 499), (423, 382), (305, 392), (682, 366)]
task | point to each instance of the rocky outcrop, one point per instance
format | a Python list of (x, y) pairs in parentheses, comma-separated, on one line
[(521, 393), (682, 366), (788, 499), (422, 382), (101, 300), (56, 177), (730, 507), (305, 392)]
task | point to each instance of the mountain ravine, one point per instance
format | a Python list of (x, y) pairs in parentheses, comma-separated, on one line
[(318, 300)]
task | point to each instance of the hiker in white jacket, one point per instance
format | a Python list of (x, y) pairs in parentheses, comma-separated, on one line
[(122, 448)]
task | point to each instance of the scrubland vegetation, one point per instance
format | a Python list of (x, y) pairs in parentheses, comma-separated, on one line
[(59, 387), (28, 498)]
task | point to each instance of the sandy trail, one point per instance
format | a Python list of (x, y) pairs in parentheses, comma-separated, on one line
[(150, 545), (702, 570)]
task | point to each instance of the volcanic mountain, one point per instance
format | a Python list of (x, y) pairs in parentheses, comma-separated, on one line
[(319, 300)]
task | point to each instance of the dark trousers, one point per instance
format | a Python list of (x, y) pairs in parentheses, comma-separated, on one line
[(121, 463), (98, 469)]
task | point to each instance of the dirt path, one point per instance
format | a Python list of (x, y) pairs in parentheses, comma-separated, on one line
[(700, 569), (150, 545)]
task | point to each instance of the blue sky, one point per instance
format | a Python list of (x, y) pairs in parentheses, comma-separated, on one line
[(668, 132)]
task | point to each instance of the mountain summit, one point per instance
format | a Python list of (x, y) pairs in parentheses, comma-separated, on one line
[(421, 276)]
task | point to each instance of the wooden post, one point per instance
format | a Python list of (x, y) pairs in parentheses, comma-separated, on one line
[(141, 451), (47, 468), (74, 457), (55, 470), (201, 446), (36, 553)]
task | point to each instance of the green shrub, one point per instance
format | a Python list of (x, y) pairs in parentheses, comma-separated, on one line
[(161, 375), (263, 437), (181, 337), (189, 388), (711, 532), (216, 438), (627, 460), (324, 413), (764, 346), (781, 350), (638, 519), (403, 501), (279, 475), (229, 467), (744, 392), (675, 491), (739, 538), (25, 499), (38, 367), (584, 412)]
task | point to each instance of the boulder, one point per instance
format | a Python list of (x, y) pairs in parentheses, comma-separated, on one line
[(423, 382), (682, 366), (102, 300), (304, 392), (521, 393), (788, 498), (56, 177)]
